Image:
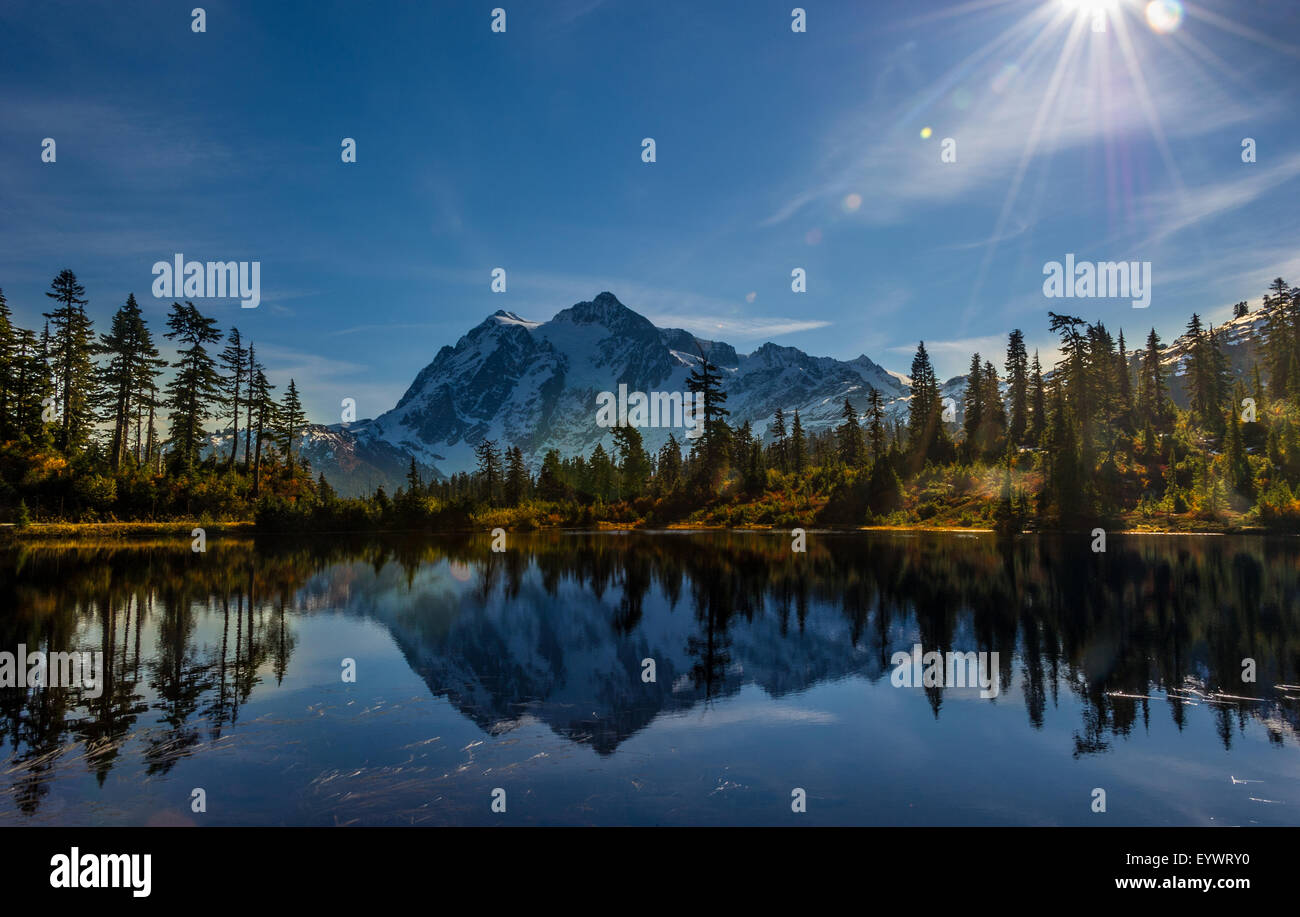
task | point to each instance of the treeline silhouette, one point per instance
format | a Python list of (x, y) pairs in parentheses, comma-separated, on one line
[(81, 418), (1097, 439), (188, 638)]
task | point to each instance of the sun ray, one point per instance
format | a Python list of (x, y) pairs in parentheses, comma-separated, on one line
[(1194, 52), (1031, 145), (1240, 30), (959, 70), (1148, 107), (974, 6)]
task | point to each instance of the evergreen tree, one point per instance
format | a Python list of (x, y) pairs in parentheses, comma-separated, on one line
[(234, 360), (798, 446), (754, 480), (1063, 485), (994, 420), (551, 484), (252, 402), (779, 441), (414, 486), (292, 419), (1279, 343), (8, 369), (152, 454), (1017, 367), (1072, 383), (669, 465), (71, 347), (266, 409), (850, 437), (1037, 403), (633, 463), (325, 492), (603, 474), (713, 444), (973, 409), (875, 424), (1123, 375), (489, 471), (1200, 371), (31, 385), (517, 479), (924, 410), (196, 383), (1239, 474), (1153, 397), (148, 366), (133, 366)]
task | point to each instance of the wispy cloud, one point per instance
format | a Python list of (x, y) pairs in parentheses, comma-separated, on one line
[(734, 326), (1178, 212), (990, 345)]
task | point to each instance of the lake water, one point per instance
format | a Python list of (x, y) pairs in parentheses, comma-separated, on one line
[(524, 671)]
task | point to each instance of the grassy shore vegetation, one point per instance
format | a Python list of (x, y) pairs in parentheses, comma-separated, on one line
[(1095, 440)]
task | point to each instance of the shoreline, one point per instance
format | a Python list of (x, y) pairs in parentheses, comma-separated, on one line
[(92, 532)]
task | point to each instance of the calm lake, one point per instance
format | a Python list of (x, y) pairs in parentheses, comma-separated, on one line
[(524, 671)]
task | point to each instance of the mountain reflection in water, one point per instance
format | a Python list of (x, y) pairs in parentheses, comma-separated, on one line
[(227, 663)]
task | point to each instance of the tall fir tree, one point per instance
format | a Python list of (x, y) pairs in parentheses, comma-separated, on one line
[(876, 424), (633, 463), (489, 470), (195, 386), (973, 407), (251, 370), (127, 347), (1017, 367), (924, 410), (798, 446), (850, 436), (262, 399), (234, 362), (1037, 403), (292, 419), (713, 445), (72, 346), (517, 479), (779, 434), (8, 370)]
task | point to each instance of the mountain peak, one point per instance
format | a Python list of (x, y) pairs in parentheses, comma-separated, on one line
[(606, 310), (510, 318)]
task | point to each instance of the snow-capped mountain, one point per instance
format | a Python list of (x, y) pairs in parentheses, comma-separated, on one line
[(535, 385), (1240, 340)]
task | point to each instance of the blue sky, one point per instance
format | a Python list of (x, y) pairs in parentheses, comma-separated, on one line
[(522, 150)]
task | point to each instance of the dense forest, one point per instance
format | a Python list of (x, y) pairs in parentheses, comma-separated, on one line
[(1094, 440), (80, 418)]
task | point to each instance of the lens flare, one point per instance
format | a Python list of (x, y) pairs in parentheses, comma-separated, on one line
[(852, 202), (1164, 15), (1005, 77), (925, 133)]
